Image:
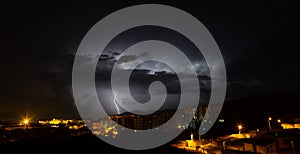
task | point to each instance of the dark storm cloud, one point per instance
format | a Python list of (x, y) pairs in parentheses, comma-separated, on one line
[(128, 58)]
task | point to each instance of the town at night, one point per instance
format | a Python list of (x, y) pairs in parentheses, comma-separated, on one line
[(157, 76)]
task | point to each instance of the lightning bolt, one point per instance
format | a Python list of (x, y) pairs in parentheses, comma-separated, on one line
[(116, 104)]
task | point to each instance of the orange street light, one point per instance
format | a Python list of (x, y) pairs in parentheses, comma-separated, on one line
[(269, 121), (25, 122), (240, 127)]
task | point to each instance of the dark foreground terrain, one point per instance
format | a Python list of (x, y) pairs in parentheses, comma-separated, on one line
[(49, 140)]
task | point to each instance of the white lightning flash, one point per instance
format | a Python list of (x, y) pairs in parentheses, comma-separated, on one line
[(116, 104)]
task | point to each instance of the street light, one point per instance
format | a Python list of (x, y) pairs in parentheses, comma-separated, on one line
[(269, 121), (292, 142), (240, 127), (26, 122), (279, 121)]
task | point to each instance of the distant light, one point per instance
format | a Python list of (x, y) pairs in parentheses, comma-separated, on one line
[(240, 126), (26, 121), (115, 132), (55, 121), (270, 118), (279, 121), (221, 120)]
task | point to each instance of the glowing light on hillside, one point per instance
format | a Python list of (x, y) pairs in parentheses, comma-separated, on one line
[(26, 121)]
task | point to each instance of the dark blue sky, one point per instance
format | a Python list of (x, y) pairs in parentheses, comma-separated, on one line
[(39, 41)]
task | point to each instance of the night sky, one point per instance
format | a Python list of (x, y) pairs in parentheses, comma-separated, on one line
[(39, 41)]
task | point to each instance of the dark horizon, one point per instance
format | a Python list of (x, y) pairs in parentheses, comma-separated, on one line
[(243, 108)]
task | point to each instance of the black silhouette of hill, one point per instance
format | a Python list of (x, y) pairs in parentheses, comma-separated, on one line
[(60, 141)]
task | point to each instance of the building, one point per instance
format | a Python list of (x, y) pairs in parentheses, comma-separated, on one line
[(286, 141), (290, 122), (260, 145)]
